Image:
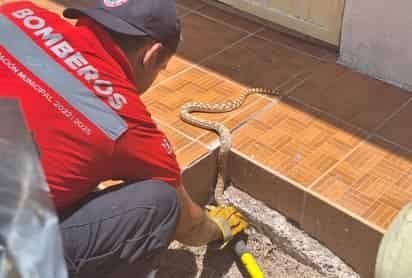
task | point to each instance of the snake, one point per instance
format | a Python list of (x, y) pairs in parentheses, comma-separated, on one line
[(223, 178)]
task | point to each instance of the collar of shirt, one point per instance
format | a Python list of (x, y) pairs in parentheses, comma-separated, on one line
[(109, 45)]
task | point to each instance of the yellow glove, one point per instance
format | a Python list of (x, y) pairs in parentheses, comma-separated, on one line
[(229, 220)]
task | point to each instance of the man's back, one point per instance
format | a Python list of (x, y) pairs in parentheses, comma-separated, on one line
[(77, 92)]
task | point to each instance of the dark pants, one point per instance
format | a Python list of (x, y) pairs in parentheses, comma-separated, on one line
[(120, 232)]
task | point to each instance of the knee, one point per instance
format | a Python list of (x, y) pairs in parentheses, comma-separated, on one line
[(165, 200), (163, 196)]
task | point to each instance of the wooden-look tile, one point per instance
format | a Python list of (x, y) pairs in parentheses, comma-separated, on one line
[(190, 154), (399, 129), (230, 18), (373, 182), (356, 202), (242, 116), (191, 4), (255, 62), (296, 142), (175, 65), (203, 37), (177, 140), (165, 100), (164, 104), (350, 96), (400, 194), (352, 240), (381, 214), (332, 187), (296, 43), (267, 187)]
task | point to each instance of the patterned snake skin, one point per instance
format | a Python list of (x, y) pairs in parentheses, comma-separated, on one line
[(223, 179)]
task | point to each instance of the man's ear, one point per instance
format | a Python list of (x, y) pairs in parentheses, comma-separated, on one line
[(151, 54)]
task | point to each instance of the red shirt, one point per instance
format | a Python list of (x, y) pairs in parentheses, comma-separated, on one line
[(78, 94)]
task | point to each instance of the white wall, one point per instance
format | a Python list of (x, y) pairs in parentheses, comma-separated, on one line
[(377, 39)]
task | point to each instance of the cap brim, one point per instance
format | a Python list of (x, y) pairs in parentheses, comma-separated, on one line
[(106, 19)]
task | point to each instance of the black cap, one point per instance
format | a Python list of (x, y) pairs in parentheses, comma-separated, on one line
[(154, 18)]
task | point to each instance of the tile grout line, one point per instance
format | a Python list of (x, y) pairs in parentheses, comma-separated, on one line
[(215, 143), (380, 195), (370, 134), (391, 116), (327, 172), (180, 132), (228, 47), (290, 47), (368, 137), (333, 167), (375, 134), (270, 170), (406, 149), (307, 190), (256, 34), (360, 129), (198, 64), (172, 76), (272, 103), (198, 12), (186, 13), (339, 120), (377, 199), (189, 145)]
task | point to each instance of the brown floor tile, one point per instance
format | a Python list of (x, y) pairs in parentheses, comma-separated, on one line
[(373, 182), (165, 101), (399, 129), (381, 214), (203, 37), (190, 154), (294, 42), (181, 10), (235, 121), (332, 188), (177, 140), (265, 186), (294, 141), (400, 194), (352, 240), (322, 76), (230, 18), (175, 66), (164, 104), (191, 4), (355, 201), (350, 96), (258, 63)]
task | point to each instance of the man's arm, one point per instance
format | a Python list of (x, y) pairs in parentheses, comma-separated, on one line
[(194, 227)]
